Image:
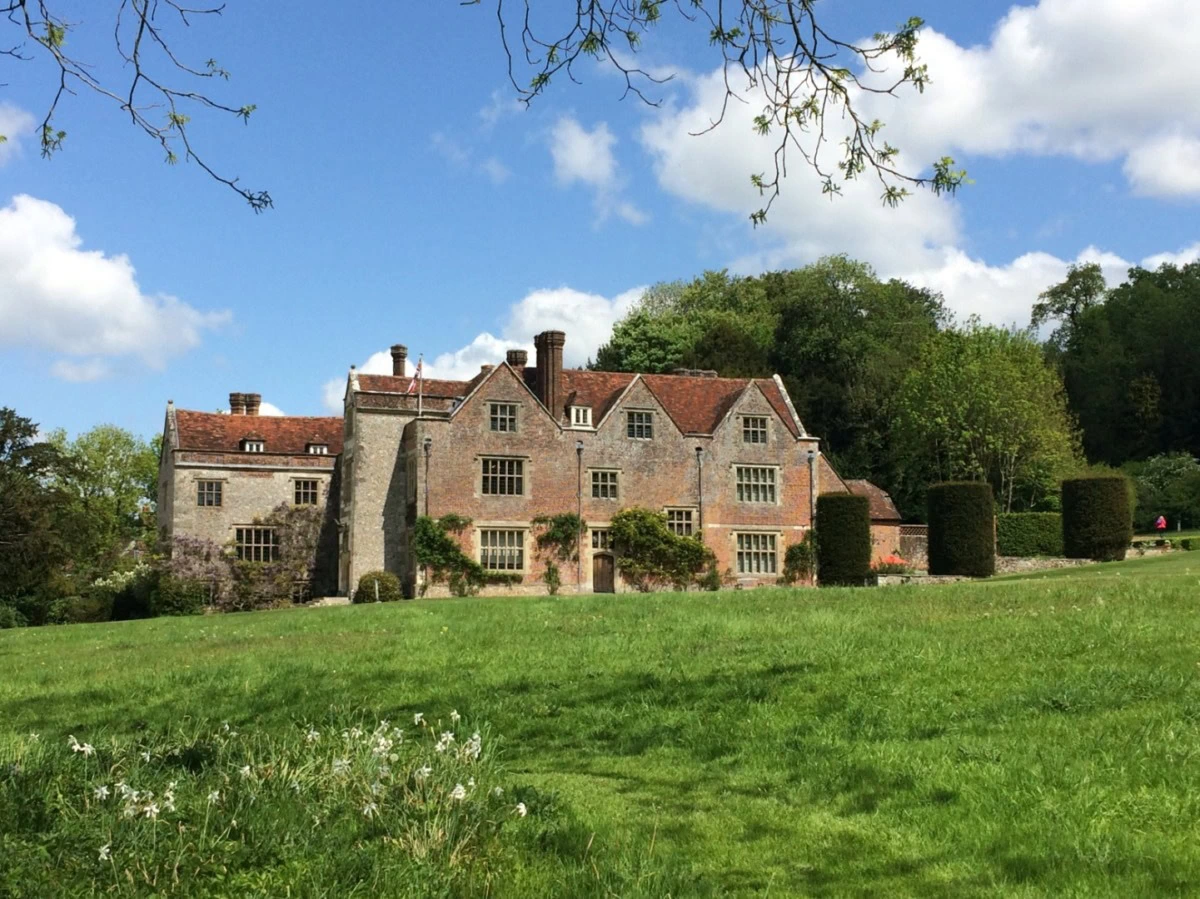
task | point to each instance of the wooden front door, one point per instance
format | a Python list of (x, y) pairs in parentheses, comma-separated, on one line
[(602, 574)]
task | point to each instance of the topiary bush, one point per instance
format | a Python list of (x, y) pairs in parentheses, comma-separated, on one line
[(378, 586), (962, 536), (1029, 534), (1097, 518), (843, 540)]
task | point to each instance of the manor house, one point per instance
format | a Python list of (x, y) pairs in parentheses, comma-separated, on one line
[(724, 458)]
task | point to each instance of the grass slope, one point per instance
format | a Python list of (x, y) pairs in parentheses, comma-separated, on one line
[(1032, 738)]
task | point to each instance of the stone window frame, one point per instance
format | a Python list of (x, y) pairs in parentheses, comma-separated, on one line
[(507, 540), (502, 417), (581, 416), (301, 494), (676, 527), (743, 488), (641, 428), (601, 540), (606, 483), (755, 430), (254, 446), (256, 543), (516, 476), (218, 494), (756, 552)]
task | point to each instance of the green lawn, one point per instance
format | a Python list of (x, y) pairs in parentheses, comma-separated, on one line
[(1171, 535), (1038, 737)]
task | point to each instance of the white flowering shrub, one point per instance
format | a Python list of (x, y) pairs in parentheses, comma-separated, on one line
[(315, 811)]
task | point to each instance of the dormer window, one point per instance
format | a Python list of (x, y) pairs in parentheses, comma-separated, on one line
[(318, 449), (253, 446), (581, 416)]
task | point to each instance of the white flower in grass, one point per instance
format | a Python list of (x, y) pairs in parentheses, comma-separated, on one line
[(168, 803), (521, 810), (87, 749), (455, 717), (33, 738), (393, 757), (419, 719), (145, 756), (101, 792), (214, 797), (423, 772), (376, 788), (313, 735), (498, 792), (382, 747), (129, 811), (151, 811), (397, 735), (459, 792), (245, 771), (473, 748), (385, 770), (340, 766), (295, 786), (106, 852), (370, 810), (471, 783), (356, 733)]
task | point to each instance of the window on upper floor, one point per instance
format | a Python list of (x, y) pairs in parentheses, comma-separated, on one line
[(639, 425), (754, 429), (755, 484), (306, 493), (503, 477), (680, 521), (581, 416), (208, 493), (255, 544), (318, 449), (253, 446), (503, 417), (756, 554), (502, 550), (601, 539), (604, 485)]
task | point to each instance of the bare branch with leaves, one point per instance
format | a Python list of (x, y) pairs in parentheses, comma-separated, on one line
[(777, 49)]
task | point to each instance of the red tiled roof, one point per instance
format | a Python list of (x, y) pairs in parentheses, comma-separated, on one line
[(598, 389), (286, 434), (882, 507), (431, 386)]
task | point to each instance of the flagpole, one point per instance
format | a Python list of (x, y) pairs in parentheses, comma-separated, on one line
[(420, 383)]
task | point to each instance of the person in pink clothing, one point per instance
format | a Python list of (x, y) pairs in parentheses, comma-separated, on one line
[(1160, 523)]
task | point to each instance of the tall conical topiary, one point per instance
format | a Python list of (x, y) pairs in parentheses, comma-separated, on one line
[(962, 533), (843, 540)]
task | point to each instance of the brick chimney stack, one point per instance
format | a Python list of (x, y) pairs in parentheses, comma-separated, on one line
[(518, 359), (399, 358), (253, 402), (549, 347), (237, 404)]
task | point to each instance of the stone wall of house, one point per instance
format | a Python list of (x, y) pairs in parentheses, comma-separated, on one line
[(658, 473)]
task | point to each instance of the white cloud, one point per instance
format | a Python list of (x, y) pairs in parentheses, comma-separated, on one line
[(56, 296), (1168, 167), (496, 170), (269, 409), (15, 124), (1183, 257), (501, 105), (460, 156), (586, 157), (587, 319), (80, 372)]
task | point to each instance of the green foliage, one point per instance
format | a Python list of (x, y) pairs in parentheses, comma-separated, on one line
[(558, 535), (552, 578), (10, 617), (983, 404), (176, 596), (1097, 523), (843, 540), (962, 536), (378, 586), (1167, 484), (1029, 534), (1186, 544), (440, 554), (650, 556), (800, 560), (1064, 303)]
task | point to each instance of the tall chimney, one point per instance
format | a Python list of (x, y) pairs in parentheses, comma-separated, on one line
[(518, 359), (253, 401), (237, 404), (549, 347), (399, 357)]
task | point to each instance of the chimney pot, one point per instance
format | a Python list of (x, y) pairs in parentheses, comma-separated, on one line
[(237, 404), (517, 358), (399, 357), (253, 402)]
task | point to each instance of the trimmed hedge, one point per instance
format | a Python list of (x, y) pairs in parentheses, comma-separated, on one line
[(843, 540), (378, 586), (1029, 534), (1097, 518), (962, 537)]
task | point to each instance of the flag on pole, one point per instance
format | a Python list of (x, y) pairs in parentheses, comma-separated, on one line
[(412, 385)]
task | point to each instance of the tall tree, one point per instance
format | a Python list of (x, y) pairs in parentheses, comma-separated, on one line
[(1065, 302), (983, 403)]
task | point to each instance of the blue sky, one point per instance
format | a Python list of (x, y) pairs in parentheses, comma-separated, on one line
[(416, 202)]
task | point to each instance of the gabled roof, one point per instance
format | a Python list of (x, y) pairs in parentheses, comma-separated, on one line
[(286, 434), (882, 507), (430, 386)]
